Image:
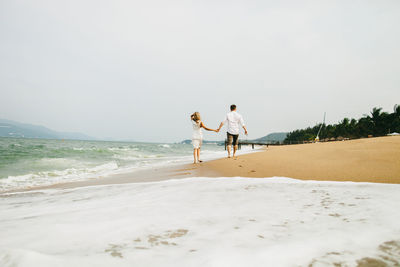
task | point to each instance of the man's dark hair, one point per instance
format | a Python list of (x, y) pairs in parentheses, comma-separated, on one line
[(233, 107)]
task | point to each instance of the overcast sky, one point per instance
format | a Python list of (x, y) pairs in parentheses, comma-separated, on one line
[(138, 69)]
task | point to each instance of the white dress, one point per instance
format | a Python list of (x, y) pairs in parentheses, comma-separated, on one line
[(197, 136)]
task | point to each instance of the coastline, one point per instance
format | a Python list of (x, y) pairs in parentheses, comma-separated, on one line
[(375, 160), (139, 176)]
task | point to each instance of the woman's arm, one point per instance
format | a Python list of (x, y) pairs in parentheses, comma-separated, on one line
[(208, 129)]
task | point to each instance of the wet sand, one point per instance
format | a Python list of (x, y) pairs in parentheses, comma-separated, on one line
[(362, 160)]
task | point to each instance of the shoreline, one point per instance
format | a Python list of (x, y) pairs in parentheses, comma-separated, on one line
[(138, 176), (173, 170), (375, 160)]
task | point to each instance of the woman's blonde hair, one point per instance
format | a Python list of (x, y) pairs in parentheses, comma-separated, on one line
[(195, 117)]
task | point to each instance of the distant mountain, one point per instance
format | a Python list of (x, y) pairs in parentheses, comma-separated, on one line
[(272, 137), (23, 130), (275, 137)]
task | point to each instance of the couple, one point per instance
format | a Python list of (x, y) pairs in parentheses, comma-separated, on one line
[(233, 120)]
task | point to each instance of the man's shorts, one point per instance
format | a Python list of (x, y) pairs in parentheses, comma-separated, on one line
[(232, 139)]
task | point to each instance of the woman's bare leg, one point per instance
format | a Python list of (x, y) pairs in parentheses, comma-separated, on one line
[(195, 155), (198, 155)]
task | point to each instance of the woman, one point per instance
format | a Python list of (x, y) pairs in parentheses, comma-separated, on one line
[(197, 137)]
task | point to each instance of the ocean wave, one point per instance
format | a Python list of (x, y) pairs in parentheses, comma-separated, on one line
[(15, 145), (123, 149), (58, 161), (32, 162), (56, 176), (165, 146), (127, 158)]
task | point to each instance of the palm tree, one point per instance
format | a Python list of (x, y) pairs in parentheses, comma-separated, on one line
[(395, 120), (365, 126), (379, 120), (378, 123), (396, 110)]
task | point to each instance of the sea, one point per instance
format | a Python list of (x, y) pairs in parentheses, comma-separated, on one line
[(26, 163)]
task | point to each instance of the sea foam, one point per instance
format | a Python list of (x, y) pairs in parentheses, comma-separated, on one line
[(203, 222)]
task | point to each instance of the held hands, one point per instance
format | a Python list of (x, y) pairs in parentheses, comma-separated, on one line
[(216, 130)]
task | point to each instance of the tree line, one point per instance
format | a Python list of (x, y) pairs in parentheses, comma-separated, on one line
[(377, 123)]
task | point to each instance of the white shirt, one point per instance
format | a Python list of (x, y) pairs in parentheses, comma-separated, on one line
[(233, 120)]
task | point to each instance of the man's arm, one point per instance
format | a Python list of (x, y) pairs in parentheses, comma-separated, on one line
[(220, 126), (244, 126), (222, 123), (245, 130)]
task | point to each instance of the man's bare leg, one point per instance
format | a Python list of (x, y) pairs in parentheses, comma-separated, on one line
[(234, 150), (229, 151)]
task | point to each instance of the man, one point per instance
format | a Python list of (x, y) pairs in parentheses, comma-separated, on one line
[(233, 120)]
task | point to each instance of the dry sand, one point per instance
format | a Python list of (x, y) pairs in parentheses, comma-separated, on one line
[(362, 160)]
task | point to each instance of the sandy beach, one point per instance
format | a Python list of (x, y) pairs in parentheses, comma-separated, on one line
[(362, 160), (221, 214)]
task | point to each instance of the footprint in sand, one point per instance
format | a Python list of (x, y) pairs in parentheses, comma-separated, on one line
[(156, 240), (164, 239), (115, 250)]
